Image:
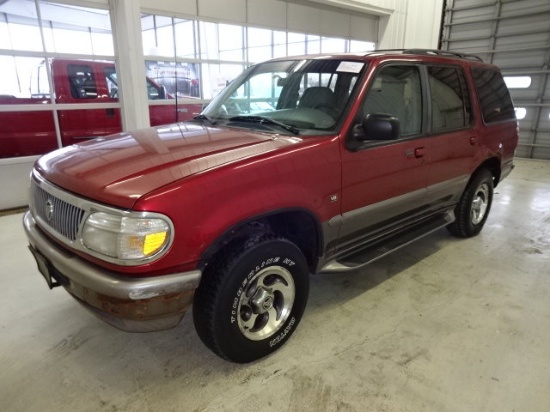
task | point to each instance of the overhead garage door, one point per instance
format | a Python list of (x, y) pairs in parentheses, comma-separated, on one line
[(514, 35)]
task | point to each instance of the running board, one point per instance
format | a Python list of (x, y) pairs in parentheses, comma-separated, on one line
[(387, 244)]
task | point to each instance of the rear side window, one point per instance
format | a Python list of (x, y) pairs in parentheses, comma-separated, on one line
[(82, 81), (493, 95), (451, 107)]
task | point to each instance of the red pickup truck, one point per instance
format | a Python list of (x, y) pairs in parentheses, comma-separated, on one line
[(301, 165), (75, 82)]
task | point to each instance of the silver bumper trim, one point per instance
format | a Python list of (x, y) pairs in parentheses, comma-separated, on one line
[(136, 299)]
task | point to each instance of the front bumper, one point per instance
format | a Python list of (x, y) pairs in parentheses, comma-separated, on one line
[(130, 304)]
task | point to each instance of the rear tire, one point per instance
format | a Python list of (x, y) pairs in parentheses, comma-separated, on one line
[(473, 209), (251, 298)]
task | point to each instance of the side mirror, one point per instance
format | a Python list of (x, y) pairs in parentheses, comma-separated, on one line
[(162, 93), (378, 126)]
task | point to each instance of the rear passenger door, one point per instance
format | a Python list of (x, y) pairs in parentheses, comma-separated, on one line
[(453, 140)]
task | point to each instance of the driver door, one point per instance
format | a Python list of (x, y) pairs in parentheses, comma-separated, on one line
[(384, 182)]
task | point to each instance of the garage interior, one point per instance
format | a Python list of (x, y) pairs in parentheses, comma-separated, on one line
[(441, 325)]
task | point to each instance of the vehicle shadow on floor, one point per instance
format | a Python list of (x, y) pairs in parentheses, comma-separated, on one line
[(342, 287)]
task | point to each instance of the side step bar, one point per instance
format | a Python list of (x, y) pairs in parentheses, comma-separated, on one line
[(387, 244)]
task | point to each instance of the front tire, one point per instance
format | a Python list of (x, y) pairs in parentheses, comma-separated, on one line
[(473, 209), (251, 298)]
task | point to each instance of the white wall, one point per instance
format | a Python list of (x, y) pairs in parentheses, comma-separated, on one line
[(14, 181), (402, 23)]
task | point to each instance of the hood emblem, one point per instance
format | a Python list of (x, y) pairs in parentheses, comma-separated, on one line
[(49, 210)]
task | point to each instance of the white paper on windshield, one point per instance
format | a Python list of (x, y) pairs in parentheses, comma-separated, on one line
[(350, 67)]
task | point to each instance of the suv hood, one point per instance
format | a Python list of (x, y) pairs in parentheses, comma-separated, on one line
[(121, 168)]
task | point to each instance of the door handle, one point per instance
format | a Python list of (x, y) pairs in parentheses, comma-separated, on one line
[(418, 152), (473, 140)]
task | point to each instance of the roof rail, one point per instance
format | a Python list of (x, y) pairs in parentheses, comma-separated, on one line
[(433, 52)]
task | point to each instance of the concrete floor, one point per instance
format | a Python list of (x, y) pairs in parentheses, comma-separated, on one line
[(443, 325)]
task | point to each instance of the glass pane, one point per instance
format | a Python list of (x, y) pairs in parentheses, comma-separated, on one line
[(23, 78), (258, 37), (279, 44), (296, 44), (209, 40), (396, 91), (185, 38), (259, 45), (360, 46), (259, 54), (447, 99), (5, 42), (313, 45), (217, 76), (19, 28), (26, 133), (231, 42), (333, 45), (148, 36), (296, 94), (81, 124), (493, 95), (78, 30), (157, 36), (83, 81), (181, 79)]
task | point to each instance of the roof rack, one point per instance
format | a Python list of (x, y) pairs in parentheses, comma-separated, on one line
[(433, 52)]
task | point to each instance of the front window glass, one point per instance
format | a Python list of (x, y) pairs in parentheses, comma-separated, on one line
[(302, 94), (396, 91)]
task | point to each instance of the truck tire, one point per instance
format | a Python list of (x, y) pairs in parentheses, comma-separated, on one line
[(251, 299), (473, 209)]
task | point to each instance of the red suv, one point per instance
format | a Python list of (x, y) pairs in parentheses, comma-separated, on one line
[(301, 165)]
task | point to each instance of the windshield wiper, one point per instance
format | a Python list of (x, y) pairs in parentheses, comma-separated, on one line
[(205, 117), (266, 120)]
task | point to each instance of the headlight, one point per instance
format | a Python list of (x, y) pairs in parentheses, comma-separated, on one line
[(126, 238)]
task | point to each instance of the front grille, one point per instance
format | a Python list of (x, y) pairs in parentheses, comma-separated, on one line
[(59, 215)]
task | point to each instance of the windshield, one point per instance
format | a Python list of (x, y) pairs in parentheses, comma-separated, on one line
[(295, 96)]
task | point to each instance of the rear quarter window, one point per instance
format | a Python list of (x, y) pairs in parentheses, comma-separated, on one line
[(494, 98)]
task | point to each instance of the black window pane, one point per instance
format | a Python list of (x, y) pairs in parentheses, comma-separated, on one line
[(450, 110), (82, 81), (494, 98)]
